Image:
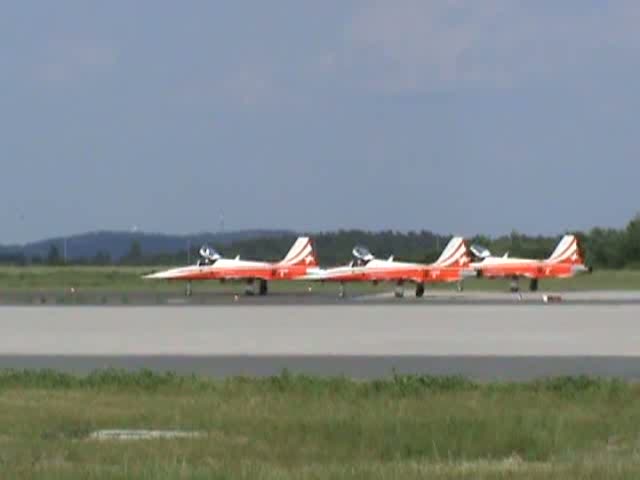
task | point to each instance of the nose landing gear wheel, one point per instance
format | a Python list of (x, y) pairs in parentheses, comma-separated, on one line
[(533, 285), (342, 292), (262, 288), (187, 290), (420, 290)]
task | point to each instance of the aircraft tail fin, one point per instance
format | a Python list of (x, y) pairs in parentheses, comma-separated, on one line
[(567, 251), (301, 253), (455, 254)]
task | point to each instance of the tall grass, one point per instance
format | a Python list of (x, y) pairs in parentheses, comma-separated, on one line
[(400, 385), (295, 426)]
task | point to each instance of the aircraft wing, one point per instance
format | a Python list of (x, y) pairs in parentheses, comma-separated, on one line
[(396, 274), (499, 270), (434, 274)]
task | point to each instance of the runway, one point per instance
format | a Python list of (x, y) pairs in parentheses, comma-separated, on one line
[(383, 297), (362, 341)]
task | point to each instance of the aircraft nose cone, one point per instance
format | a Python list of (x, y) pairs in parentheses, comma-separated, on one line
[(155, 275)]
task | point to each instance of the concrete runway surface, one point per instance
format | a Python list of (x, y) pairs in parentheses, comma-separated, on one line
[(384, 297), (363, 341)]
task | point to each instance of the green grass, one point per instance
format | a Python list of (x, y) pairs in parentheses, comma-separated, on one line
[(303, 427), (129, 279)]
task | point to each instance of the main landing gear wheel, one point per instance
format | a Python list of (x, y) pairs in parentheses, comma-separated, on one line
[(419, 290), (262, 287), (342, 293), (399, 290), (533, 285), (250, 288), (514, 287)]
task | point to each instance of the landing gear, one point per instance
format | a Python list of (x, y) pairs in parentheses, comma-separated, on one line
[(399, 290), (460, 286), (187, 290), (343, 292), (250, 288), (515, 285), (262, 287), (533, 285), (419, 290)]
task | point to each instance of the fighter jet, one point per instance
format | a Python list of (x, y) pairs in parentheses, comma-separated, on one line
[(367, 268), (212, 266), (565, 261)]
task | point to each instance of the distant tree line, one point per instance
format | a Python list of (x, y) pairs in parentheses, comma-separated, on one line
[(603, 248)]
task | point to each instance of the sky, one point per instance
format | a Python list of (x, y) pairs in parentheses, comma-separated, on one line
[(447, 115)]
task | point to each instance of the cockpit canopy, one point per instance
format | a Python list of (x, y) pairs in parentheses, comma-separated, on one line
[(209, 255), (479, 251), (362, 254)]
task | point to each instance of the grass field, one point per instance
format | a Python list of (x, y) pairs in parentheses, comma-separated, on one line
[(129, 279), (308, 428)]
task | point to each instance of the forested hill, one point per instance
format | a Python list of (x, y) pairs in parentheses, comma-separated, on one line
[(116, 245), (603, 248)]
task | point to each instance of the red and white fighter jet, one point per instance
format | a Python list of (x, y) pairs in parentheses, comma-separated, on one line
[(565, 261), (212, 266), (448, 267)]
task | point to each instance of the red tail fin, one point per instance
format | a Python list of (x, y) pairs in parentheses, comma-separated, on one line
[(455, 254), (568, 251), (301, 254)]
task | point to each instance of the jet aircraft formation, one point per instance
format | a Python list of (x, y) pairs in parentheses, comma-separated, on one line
[(456, 262)]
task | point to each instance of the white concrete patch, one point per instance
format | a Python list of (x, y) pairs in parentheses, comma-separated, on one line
[(143, 434), (177, 301), (551, 298)]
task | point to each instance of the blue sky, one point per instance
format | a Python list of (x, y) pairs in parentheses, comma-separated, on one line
[(454, 116)]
